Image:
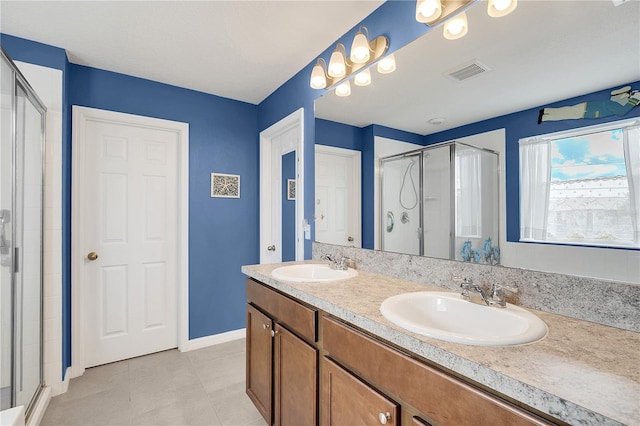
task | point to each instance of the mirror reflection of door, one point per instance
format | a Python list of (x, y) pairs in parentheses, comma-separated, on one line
[(338, 200), (288, 206)]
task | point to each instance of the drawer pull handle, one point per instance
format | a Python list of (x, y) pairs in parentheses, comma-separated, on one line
[(273, 333), (384, 418), (265, 326)]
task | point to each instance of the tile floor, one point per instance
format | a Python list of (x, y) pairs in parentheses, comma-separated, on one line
[(201, 387)]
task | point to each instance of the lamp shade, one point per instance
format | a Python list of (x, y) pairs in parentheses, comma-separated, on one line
[(337, 67), (343, 89), (363, 78), (500, 8), (456, 27), (387, 65), (428, 11), (318, 77), (360, 49)]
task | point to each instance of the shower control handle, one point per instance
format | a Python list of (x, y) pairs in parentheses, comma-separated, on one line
[(92, 256)]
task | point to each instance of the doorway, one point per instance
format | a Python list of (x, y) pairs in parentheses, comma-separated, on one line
[(129, 236), (276, 144)]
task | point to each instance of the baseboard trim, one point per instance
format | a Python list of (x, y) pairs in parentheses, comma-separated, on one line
[(215, 339), (41, 406)]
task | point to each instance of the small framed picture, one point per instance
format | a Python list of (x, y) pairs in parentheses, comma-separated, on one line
[(225, 186), (291, 189)]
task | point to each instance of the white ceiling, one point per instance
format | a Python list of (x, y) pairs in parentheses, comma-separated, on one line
[(543, 52), (242, 50)]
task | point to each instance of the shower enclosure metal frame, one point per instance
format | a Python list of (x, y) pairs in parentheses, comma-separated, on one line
[(421, 152), (19, 81)]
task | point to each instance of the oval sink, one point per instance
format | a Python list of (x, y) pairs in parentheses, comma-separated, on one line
[(446, 316), (311, 272)]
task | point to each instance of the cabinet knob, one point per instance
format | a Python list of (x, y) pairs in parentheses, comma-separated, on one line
[(271, 248), (265, 326), (273, 333), (384, 418)]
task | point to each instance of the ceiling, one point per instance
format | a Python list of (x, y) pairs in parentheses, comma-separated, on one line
[(242, 50), (545, 51)]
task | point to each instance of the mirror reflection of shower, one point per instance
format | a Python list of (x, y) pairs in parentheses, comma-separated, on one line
[(453, 210)]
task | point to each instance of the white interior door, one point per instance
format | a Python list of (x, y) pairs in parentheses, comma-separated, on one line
[(281, 138), (338, 201), (130, 238)]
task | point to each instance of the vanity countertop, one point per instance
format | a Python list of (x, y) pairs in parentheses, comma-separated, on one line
[(581, 373)]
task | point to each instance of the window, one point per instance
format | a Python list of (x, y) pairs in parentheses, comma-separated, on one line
[(583, 186)]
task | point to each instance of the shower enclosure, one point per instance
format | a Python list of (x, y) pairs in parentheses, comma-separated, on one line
[(21, 239), (441, 201)]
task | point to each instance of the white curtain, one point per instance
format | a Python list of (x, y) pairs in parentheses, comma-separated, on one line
[(469, 193), (535, 179), (631, 143)]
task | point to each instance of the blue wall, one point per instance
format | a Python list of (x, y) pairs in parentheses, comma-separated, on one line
[(54, 57), (223, 232)]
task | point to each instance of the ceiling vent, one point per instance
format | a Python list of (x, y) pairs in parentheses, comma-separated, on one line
[(467, 70)]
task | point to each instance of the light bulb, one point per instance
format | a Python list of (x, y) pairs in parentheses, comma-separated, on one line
[(500, 8), (387, 64), (337, 67), (428, 11), (318, 79), (501, 4), (363, 78), (456, 27), (344, 89), (360, 49)]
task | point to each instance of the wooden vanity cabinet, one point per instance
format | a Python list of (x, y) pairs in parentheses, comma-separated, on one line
[(347, 400), (282, 368), (437, 396)]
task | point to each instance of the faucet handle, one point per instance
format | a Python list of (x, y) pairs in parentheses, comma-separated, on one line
[(497, 288)]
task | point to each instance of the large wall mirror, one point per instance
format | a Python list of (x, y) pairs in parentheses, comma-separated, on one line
[(543, 53)]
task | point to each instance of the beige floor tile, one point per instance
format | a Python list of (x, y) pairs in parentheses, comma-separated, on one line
[(203, 387)]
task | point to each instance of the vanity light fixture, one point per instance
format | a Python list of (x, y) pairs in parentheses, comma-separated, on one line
[(342, 67), (363, 78), (500, 8), (428, 11), (387, 65), (456, 27), (343, 89)]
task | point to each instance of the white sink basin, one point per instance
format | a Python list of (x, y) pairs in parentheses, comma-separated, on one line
[(445, 316), (311, 272)]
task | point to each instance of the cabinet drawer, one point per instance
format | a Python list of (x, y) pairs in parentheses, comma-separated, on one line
[(297, 317), (442, 398), (347, 400)]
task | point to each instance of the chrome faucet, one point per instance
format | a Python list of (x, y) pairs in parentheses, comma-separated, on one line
[(496, 297), (340, 265)]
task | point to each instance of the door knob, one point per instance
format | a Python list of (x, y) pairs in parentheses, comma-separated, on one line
[(92, 256), (271, 248)]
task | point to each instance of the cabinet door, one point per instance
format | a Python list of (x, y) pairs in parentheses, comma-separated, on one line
[(259, 366), (295, 380), (346, 400)]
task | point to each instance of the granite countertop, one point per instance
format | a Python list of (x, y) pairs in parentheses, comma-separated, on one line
[(581, 373)]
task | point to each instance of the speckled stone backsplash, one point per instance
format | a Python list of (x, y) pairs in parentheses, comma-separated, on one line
[(605, 302)]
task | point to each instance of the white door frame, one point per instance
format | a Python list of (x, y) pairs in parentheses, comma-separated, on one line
[(81, 116), (293, 120), (356, 182)]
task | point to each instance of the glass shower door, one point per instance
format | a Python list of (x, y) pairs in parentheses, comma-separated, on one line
[(6, 226), (28, 242)]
